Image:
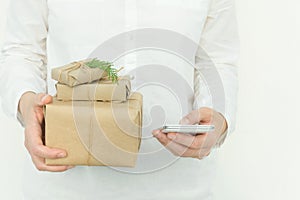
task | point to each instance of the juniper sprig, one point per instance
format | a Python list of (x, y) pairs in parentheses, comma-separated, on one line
[(105, 66)]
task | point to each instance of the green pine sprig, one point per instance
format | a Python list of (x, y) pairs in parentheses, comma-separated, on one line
[(105, 66)]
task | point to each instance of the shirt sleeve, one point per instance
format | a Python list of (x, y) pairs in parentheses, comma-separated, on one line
[(23, 56), (215, 80)]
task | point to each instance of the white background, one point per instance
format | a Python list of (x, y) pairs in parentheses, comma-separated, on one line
[(260, 160)]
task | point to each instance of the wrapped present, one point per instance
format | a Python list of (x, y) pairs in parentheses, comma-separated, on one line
[(95, 132), (93, 117), (86, 71), (103, 90)]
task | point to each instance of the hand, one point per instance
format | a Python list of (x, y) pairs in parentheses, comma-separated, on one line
[(198, 146), (31, 109)]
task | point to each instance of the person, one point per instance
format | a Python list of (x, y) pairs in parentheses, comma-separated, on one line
[(42, 34)]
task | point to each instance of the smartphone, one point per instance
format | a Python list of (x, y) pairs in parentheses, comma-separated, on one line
[(188, 129)]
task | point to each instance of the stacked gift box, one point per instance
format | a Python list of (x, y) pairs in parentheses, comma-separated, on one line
[(95, 118)]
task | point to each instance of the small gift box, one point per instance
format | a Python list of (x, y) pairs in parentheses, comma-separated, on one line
[(103, 90)]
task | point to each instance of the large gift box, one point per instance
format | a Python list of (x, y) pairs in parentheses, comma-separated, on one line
[(94, 132)]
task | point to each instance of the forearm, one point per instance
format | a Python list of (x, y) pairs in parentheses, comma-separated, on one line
[(23, 55)]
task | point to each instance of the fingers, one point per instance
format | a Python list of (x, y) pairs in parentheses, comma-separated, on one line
[(196, 116), (34, 144), (46, 152), (162, 137), (41, 166), (42, 99), (183, 151), (206, 115), (192, 118), (39, 101), (178, 149), (193, 142), (39, 152)]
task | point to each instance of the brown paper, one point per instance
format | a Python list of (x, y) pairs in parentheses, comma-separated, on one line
[(95, 133), (100, 91), (77, 73)]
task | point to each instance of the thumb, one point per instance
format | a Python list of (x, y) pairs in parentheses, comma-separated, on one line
[(192, 118), (43, 99)]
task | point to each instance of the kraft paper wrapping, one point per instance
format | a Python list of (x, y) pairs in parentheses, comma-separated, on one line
[(95, 133), (77, 73), (100, 91)]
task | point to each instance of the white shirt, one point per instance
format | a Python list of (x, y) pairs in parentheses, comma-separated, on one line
[(42, 34)]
